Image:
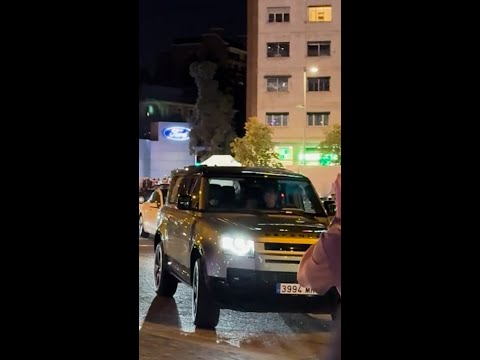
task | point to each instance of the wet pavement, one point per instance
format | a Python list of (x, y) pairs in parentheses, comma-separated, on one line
[(167, 331)]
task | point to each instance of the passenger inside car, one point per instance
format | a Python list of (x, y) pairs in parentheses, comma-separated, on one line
[(270, 197), (228, 197), (214, 195), (294, 197)]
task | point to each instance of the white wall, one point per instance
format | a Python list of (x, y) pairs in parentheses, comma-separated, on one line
[(143, 158), (167, 155), (322, 177)]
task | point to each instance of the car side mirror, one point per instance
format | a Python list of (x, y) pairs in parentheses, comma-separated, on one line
[(141, 199), (331, 209), (184, 202)]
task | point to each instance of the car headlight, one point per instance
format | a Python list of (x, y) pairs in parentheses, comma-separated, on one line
[(238, 246)]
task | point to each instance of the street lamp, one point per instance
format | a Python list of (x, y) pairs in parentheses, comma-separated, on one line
[(314, 70)]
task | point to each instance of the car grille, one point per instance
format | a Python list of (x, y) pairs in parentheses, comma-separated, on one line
[(286, 247), (309, 235)]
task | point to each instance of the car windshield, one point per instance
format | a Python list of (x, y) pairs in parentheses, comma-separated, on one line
[(251, 194), (145, 193)]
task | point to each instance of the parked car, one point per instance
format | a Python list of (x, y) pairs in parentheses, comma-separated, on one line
[(236, 235), (148, 211), (144, 194)]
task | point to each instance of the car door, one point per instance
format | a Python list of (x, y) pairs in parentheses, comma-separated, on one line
[(186, 221), (169, 219), (179, 231)]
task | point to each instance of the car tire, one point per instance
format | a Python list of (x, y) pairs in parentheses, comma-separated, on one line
[(205, 311), (336, 304), (165, 283), (334, 314), (141, 231)]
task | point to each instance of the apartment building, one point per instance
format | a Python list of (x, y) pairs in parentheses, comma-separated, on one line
[(294, 76)]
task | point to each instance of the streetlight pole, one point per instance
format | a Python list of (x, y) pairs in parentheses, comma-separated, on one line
[(305, 114), (305, 120)]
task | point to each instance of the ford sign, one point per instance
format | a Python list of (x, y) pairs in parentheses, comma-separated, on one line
[(177, 133)]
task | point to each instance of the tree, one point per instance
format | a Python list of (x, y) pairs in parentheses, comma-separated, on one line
[(332, 143), (256, 147), (212, 128)]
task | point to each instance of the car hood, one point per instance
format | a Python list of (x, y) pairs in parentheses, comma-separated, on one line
[(264, 224)]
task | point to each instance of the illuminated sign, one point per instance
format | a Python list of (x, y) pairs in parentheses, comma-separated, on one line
[(310, 157), (317, 158), (177, 133), (284, 152)]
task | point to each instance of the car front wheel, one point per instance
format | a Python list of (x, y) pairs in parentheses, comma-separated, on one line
[(205, 311)]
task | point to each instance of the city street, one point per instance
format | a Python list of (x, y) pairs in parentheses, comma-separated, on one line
[(167, 332)]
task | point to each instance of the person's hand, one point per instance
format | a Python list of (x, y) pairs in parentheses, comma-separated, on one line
[(338, 194)]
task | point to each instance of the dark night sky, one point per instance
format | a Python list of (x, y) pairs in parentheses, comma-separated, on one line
[(161, 21)]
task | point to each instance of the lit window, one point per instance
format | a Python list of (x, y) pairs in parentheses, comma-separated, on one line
[(318, 84), (275, 84), (320, 13), (277, 119), (318, 48), (278, 49), (318, 118), (279, 14)]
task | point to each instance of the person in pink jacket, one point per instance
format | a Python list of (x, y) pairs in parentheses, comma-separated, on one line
[(320, 268)]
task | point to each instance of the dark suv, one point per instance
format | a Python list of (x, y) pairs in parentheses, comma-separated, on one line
[(237, 235)]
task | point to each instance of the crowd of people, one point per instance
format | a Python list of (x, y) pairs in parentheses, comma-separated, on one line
[(148, 183)]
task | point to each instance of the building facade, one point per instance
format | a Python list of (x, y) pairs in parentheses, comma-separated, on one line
[(294, 77), (171, 151), (162, 104)]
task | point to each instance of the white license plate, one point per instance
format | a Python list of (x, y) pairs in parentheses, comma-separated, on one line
[(293, 289)]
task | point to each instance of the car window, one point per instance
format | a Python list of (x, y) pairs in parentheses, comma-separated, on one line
[(150, 199), (195, 192), (146, 194), (155, 197), (173, 193), (164, 195), (184, 187), (253, 193)]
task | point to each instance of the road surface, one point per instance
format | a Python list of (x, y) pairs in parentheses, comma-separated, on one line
[(167, 331)]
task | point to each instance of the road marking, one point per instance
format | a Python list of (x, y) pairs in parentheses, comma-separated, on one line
[(145, 245)]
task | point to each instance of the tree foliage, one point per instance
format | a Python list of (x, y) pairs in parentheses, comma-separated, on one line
[(212, 127), (256, 148), (332, 143)]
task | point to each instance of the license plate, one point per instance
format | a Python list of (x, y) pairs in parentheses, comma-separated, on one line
[(294, 289)]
